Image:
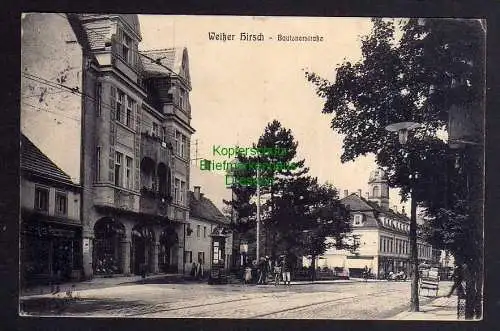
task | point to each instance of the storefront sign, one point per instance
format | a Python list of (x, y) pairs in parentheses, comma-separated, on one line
[(86, 245)]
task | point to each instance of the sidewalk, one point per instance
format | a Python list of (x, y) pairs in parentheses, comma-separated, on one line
[(95, 283), (441, 308)]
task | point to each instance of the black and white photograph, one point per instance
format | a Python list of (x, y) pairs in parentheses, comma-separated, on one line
[(252, 167)]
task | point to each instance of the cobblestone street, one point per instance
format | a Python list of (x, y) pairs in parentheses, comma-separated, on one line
[(339, 300)]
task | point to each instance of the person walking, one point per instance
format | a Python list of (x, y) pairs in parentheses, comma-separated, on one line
[(458, 277), (285, 269), (200, 270)]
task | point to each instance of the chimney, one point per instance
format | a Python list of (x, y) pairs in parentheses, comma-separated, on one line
[(359, 193), (367, 195), (395, 208), (197, 192), (346, 193)]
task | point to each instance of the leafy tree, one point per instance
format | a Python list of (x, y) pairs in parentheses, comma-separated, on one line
[(437, 64)]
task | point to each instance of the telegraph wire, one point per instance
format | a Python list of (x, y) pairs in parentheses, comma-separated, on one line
[(50, 111), (66, 88)]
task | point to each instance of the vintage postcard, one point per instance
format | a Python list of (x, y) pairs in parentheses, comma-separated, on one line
[(271, 167)]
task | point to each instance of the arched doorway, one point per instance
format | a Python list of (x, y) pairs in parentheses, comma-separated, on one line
[(168, 250), (142, 249), (107, 252)]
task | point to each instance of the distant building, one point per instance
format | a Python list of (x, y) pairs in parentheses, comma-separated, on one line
[(383, 234), (51, 228), (205, 219)]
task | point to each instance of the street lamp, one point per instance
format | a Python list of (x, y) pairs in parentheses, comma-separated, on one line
[(402, 128)]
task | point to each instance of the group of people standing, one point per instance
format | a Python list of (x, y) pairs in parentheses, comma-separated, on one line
[(279, 268)]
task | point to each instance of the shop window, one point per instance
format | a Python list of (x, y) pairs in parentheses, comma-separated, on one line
[(61, 203), (41, 199)]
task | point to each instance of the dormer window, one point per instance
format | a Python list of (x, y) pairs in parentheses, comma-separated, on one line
[(358, 220)]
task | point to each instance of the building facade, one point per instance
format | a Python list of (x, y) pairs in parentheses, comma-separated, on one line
[(136, 152), (130, 115), (51, 229), (382, 234)]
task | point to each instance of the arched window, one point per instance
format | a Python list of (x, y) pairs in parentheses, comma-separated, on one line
[(376, 191)]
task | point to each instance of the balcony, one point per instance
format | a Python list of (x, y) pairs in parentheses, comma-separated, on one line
[(154, 148), (154, 203)]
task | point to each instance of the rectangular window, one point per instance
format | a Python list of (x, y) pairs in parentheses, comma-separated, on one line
[(176, 190), (163, 134), (128, 172), (120, 96), (155, 129), (98, 92), (42, 199), (61, 203), (201, 257), (183, 152), (188, 230), (183, 192), (204, 232), (198, 230), (130, 106), (177, 142), (126, 48), (189, 257), (181, 98), (98, 163), (118, 164)]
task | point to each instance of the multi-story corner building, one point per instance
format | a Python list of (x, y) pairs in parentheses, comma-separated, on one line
[(51, 227), (136, 152), (382, 234)]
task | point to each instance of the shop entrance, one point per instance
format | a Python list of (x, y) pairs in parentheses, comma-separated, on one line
[(142, 249), (168, 257), (107, 246)]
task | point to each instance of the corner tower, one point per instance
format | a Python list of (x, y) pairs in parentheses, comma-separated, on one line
[(379, 188)]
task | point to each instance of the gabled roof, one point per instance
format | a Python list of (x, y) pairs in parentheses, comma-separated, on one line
[(34, 161), (173, 58), (204, 209), (373, 212)]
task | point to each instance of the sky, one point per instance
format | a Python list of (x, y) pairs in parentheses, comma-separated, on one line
[(238, 87)]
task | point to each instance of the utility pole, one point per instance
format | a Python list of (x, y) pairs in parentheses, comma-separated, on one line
[(258, 211)]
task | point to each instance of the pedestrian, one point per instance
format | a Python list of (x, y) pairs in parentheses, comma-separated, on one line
[(200, 270), (285, 269), (260, 268), (265, 269), (458, 277), (248, 274), (193, 270)]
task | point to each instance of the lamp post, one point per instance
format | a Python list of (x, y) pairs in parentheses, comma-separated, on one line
[(402, 128)]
